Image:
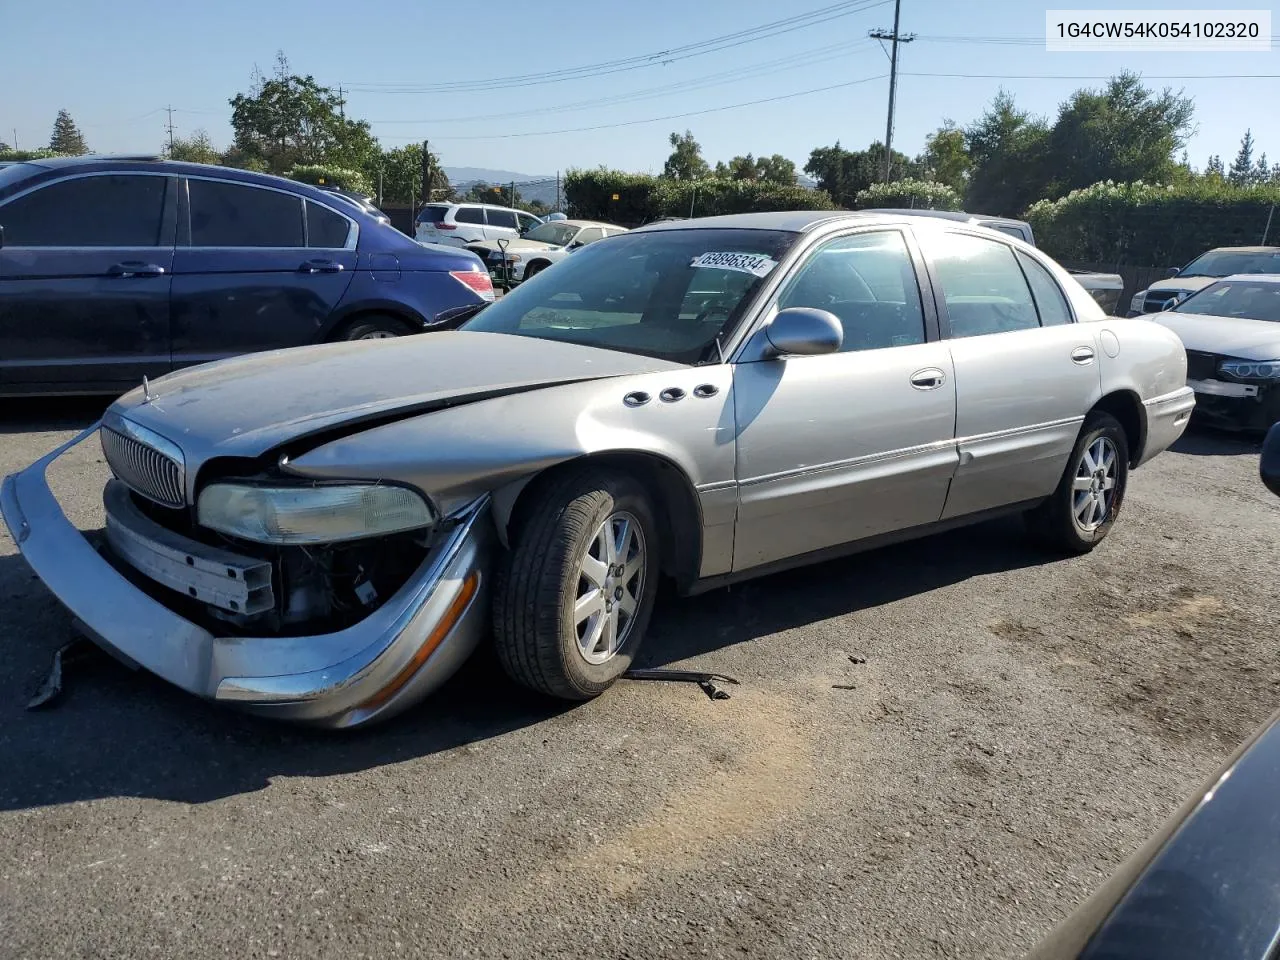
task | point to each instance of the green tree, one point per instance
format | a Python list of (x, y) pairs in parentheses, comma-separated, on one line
[(1241, 171), (1123, 132), (1262, 172), (845, 173), (685, 162), (946, 157), (67, 138), (401, 170), (291, 121), (493, 193), (1007, 148), (196, 148), (1213, 168)]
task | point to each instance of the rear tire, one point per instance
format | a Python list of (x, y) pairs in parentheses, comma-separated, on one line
[(374, 327), (1084, 507), (573, 597)]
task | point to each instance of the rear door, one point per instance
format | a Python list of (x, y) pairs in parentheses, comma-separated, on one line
[(84, 283), (255, 268), (1026, 372), (501, 224), (471, 225)]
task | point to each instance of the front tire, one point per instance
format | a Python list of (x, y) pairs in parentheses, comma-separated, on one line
[(1085, 505), (573, 597)]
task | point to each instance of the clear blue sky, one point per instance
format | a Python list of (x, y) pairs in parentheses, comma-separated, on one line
[(116, 70)]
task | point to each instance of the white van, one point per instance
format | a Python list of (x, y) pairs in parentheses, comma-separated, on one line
[(458, 224)]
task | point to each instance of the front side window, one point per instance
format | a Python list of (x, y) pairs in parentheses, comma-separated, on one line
[(502, 218), (528, 222), (869, 282), (1246, 299), (555, 232), (982, 284), (1050, 300), (236, 215), (667, 294), (469, 215), (114, 210)]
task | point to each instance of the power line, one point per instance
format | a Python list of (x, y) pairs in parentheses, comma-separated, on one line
[(657, 58), (1095, 76), (803, 59), (672, 116)]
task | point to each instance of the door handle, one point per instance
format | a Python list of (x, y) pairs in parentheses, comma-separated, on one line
[(135, 268), (1082, 355), (321, 266), (929, 378)]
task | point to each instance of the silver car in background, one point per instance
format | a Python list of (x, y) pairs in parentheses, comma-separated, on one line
[(324, 534)]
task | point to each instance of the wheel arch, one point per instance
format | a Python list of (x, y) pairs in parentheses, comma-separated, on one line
[(344, 318), (1126, 406), (675, 501)]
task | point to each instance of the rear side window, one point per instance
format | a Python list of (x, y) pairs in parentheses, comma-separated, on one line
[(432, 214), (982, 284), (235, 215), (325, 228), (103, 211), (502, 218), (469, 215), (1050, 299)]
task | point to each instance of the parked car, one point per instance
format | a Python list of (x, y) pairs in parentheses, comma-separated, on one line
[(1231, 330), (1202, 271), (1105, 288), (112, 270), (458, 224), (541, 247), (325, 534)]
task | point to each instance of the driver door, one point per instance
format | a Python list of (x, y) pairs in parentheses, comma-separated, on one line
[(842, 447)]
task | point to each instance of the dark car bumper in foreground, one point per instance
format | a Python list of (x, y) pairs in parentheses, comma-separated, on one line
[(391, 659)]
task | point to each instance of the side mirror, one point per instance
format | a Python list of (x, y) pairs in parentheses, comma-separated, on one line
[(574, 245), (1170, 304), (804, 332), (1174, 271), (1270, 466)]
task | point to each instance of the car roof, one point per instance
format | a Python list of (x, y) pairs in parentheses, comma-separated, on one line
[(958, 215), (794, 221), (1243, 250)]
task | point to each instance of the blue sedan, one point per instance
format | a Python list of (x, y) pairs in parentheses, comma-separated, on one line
[(117, 268)]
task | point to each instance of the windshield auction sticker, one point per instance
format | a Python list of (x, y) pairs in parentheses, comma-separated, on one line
[(756, 264)]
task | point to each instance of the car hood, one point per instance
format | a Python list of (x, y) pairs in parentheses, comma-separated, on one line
[(1181, 285), (247, 406), (1229, 336), (518, 244)]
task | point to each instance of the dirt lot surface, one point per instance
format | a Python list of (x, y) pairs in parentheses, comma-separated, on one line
[(1020, 724)]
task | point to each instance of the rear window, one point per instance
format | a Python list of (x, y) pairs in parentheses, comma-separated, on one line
[(432, 214)]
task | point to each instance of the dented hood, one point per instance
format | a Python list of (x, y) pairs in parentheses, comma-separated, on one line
[(246, 406)]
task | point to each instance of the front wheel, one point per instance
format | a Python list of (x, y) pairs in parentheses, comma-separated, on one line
[(1087, 501), (573, 597)]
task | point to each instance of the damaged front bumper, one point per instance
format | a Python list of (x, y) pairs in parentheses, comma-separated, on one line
[(391, 659)]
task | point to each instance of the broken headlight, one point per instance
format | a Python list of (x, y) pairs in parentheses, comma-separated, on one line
[(309, 515)]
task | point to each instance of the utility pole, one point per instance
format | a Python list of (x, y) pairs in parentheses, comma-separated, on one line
[(897, 38), (426, 171), (513, 193), (557, 182), (342, 103), (169, 128)]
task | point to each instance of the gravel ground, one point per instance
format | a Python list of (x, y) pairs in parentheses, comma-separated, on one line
[(1019, 726)]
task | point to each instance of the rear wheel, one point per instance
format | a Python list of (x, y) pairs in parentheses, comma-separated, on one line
[(573, 597), (1085, 505), (374, 327)]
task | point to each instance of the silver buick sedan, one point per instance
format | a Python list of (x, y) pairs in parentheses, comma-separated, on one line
[(325, 534)]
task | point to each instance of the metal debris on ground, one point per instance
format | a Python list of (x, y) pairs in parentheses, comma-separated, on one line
[(707, 681), (69, 654), (853, 659)]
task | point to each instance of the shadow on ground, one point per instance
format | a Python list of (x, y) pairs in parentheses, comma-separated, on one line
[(121, 733), (46, 414), (1203, 441)]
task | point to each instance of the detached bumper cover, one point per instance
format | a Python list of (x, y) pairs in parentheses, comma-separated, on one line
[(1167, 419), (393, 658)]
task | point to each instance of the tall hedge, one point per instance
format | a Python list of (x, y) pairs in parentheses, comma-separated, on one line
[(913, 194), (642, 198), (340, 177), (1142, 224)]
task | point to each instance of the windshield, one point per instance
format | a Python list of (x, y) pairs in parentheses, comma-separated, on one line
[(666, 294), (556, 232), (1248, 299), (1223, 263)]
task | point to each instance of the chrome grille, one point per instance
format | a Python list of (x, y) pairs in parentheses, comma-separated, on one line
[(144, 469)]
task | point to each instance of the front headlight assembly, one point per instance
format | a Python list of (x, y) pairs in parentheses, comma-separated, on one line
[(1251, 369), (310, 515)]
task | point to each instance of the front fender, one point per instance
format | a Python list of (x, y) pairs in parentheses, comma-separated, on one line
[(456, 454)]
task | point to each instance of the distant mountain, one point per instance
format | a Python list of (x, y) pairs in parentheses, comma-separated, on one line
[(475, 174)]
